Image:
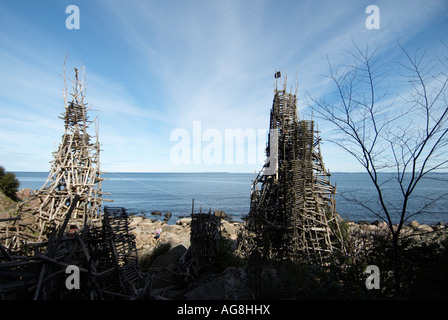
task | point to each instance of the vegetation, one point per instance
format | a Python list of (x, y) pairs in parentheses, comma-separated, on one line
[(403, 132), (8, 184), (423, 268)]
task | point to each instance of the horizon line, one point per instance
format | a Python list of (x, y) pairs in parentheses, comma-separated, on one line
[(223, 172)]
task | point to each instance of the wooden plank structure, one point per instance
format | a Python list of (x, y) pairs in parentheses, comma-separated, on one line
[(105, 256), (293, 208), (75, 169), (205, 237), (69, 227), (11, 233), (114, 250)]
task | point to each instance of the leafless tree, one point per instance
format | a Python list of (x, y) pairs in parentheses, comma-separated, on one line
[(404, 132)]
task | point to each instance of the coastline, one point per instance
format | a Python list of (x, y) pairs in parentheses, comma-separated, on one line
[(227, 276), (176, 230), (146, 192), (232, 282), (144, 230)]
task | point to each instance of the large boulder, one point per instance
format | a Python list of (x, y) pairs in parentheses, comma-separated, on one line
[(231, 284), (414, 224), (424, 228), (134, 221), (184, 222), (220, 214), (168, 215), (164, 268)]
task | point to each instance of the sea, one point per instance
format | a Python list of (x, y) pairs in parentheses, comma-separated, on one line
[(179, 193)]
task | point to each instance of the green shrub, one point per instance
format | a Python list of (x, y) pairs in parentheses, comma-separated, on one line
[(8, 184)]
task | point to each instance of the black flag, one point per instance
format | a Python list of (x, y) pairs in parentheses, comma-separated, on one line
[(277, 75)]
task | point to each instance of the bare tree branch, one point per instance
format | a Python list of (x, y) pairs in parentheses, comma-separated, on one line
[(408, 135)]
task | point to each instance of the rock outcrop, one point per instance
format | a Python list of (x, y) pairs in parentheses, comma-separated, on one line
[(419, 233)]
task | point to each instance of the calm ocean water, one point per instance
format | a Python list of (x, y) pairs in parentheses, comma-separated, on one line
[(229, 192)]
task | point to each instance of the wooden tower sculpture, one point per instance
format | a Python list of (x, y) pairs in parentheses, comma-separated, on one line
[(292, 211), (74, 171)]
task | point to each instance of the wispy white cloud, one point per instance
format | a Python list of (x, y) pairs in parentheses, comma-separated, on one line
[(169, 63)]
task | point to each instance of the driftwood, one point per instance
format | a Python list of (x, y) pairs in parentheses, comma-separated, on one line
[(293, 208), (74, 170), (68, 227), (105, 257), (205, 237)]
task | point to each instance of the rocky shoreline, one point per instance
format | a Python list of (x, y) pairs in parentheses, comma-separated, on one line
[(166, 284), (413, 230), (144, 227), (144, 230), (232, 283)]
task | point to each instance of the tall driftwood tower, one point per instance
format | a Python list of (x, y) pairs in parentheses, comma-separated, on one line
[(292, 211), (75, 169)]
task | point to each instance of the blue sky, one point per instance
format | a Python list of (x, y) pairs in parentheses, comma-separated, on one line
[(156, 66)]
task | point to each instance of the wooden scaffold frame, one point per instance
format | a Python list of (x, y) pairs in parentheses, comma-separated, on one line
[(293, 208), (205, 238), (75, 169), (67, 226)]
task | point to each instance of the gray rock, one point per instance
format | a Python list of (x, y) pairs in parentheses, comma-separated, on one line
[(136, 232), (220, 214), (368, 227), (171, 257), (184, 221), (171, 228), (134, 221), (406, 231), (414, 224), (363, 222), (22, 194), (383, 225), (164, 264), (229, 285), (424, 228)]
